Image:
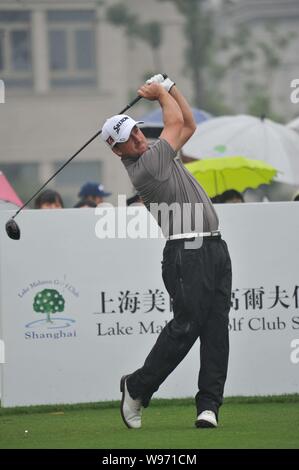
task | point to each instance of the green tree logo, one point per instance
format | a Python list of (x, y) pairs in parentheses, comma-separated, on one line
[(48, 301)]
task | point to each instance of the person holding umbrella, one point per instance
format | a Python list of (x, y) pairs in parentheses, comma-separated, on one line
[(197, 277), (231, 196)]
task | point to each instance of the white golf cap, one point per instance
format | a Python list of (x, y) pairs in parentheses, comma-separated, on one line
[(117, 129)]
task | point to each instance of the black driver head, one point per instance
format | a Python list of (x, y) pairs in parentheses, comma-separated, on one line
[(13, 230)]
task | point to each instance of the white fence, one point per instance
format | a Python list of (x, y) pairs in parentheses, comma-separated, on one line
[(109, 303)]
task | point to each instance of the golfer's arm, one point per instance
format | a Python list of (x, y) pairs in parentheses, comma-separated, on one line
[(189, 123), (173, 120)]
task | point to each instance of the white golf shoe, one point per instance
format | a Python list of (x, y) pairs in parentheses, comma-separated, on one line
[(206, 419), (130, 409)]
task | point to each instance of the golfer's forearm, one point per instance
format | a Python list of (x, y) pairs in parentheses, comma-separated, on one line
[(172, 114), (186, 110)]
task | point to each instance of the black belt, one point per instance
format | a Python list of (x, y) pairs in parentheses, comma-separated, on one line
[(187, 236)]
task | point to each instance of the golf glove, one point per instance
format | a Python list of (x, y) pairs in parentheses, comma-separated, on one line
[(165, 82)]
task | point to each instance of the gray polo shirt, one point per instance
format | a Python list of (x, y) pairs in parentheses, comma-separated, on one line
[(159, 178)]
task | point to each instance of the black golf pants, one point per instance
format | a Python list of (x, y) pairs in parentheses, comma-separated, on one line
[(199, 283)]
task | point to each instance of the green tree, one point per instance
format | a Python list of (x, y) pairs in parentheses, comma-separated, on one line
[(243, 51), (151, 32), (250, 54), (48, 301), (198, 30)]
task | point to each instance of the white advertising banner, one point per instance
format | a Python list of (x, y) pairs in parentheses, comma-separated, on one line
[(78, 312)]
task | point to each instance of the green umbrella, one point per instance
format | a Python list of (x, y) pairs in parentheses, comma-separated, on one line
[(217, 175)]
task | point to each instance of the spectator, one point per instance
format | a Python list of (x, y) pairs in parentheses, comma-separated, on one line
[(49, 199), (94, 192), (84, 203), (215, 199), (230, 196)]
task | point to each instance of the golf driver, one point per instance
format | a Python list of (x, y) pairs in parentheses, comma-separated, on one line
[(12, 228)]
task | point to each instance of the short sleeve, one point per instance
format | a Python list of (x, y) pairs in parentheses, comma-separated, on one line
[(157, 160)]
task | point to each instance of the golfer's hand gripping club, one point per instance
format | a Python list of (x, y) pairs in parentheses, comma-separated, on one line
[(163, 80)]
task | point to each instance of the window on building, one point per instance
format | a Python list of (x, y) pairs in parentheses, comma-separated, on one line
[(72, 56), (15, 48)]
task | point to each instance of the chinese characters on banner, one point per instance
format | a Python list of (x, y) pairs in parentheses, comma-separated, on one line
[(257, 301), (253, 298)]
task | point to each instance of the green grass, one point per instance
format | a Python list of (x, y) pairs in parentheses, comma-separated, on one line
[(245, 423)]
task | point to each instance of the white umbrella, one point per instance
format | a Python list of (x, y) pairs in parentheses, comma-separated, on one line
[(294, 124), (251, 137)]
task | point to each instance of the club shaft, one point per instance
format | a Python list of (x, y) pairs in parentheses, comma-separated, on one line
[(72, 157)]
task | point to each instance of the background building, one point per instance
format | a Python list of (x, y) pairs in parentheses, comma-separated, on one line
[(66, 68)]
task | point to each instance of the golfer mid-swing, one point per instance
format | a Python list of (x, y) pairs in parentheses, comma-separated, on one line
[(196, 266)]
